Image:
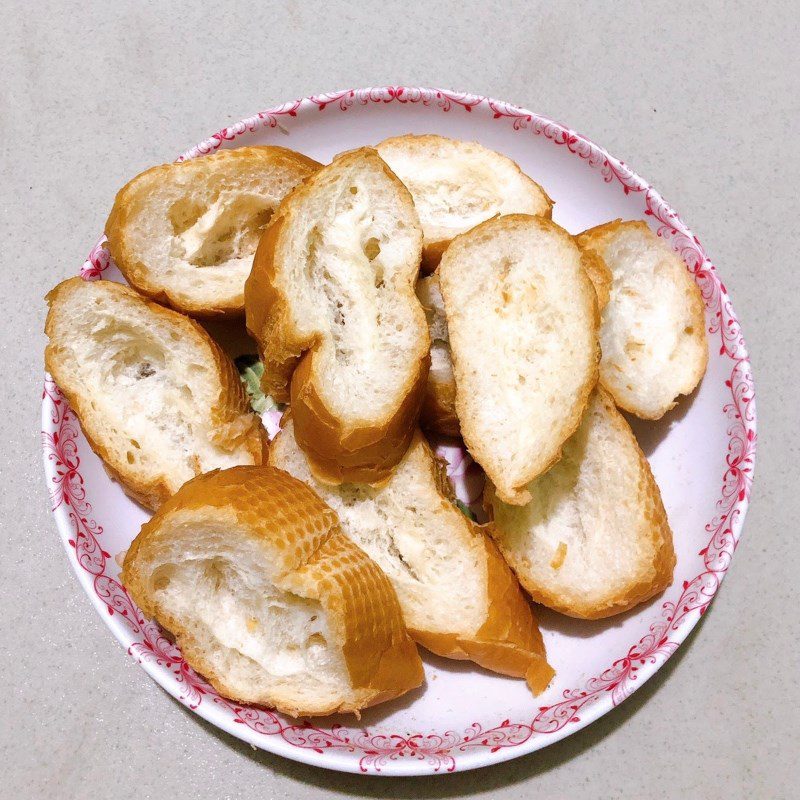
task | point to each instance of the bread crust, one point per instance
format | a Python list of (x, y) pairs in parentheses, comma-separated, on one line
[(338, 450), (594, 240), (302, 538), (433, 249), (232, 418), (650, 581), (337, 454), (599, 274), (439, 407), (133, 196), (517, 494)]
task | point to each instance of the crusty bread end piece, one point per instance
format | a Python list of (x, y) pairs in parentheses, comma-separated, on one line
[(184, 233), (523, 321), (594, 539), (266, 598), (331, 303), (156, 397), (653, 329), (439, 405), (431, 552), (456, 185)]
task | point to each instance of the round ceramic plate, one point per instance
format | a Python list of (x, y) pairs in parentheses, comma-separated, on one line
[(702, 456)]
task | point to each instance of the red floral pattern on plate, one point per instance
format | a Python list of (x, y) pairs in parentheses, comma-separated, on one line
[(440, 751)]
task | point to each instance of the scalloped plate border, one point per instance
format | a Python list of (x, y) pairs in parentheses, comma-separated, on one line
[(351, 749)]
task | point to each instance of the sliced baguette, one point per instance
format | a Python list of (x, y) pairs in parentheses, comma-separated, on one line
[(331, 304), (456, 185), (458, 596), (653, 330), (184, 234), (156, 397), (250, 572), (522, 320), (594, 539), (439, 405)]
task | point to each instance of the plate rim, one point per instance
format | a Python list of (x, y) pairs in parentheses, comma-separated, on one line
[(348, 749)]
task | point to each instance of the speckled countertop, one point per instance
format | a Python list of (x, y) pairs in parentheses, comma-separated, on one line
[(704, 105)]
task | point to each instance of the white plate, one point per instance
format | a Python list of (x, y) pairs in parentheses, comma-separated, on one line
[(702, 456)]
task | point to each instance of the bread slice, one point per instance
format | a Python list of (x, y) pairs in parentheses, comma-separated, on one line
[(438, 413), (594, 539), (458, 596), (439, 404), (184, 234), (157, 399), (653, 331), (456, 185), (250, 572), (522, 320), (331, 303)]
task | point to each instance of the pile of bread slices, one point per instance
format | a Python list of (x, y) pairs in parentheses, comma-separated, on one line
[(419, 285)]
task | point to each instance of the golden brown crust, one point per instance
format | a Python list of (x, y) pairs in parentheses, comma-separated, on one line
[(595, 240), (140, 275), (653, 578), (337, 452), (234, 423), (600, 276), (267, 313), (518, 494), (366, 454), (438, 412), (312, 558)]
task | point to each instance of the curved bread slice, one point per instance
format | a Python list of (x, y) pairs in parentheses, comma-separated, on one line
[(157, 399), (265, 597), (331, 303), (458, 596), (653, 331), (439, 405), (594, 540), (456, 185), (184, 234), (522, 319)]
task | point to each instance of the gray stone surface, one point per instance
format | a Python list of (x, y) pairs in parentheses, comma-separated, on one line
[(703, 103)]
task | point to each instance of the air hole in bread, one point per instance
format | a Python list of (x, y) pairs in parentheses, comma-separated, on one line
[(161, 578), (372, 248), (183, 214), (354, 190), (242, 620), (225, 231), (316, 639), (144, 370)]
